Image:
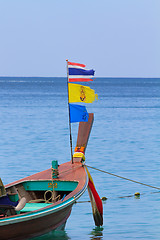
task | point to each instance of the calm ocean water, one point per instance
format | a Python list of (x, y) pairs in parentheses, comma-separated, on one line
[(125, 140)]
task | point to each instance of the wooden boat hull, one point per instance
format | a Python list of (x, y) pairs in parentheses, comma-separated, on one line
[(35, 227), (38, 222), (72, 180)]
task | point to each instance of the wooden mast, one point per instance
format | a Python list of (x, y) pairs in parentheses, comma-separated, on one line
[(70, 130)]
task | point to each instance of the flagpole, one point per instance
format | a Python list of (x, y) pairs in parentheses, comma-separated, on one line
[(69, 113)]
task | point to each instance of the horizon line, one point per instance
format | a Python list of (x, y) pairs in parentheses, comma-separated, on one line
[(66, 77)]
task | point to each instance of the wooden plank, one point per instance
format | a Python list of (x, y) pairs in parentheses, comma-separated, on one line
[(34, 206), (49, 185), (2, 189), (84, 132)]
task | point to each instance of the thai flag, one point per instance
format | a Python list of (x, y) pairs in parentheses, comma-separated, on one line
[(78, 73)]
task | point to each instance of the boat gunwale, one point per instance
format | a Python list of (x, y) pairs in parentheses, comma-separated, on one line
[(70, 200)]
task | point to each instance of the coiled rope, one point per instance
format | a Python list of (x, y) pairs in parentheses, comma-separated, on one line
[(115, 175)]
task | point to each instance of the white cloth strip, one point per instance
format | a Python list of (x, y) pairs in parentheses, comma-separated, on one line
[(73, 66), (81, 76)]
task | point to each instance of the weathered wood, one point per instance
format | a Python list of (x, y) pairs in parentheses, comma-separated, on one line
[(46, 222), (2, 189), (35, 227), (84, 132)]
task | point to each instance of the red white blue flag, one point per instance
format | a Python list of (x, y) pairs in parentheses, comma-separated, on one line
[(78, 73)]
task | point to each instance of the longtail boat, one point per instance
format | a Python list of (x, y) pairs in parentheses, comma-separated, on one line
[(42, 202)]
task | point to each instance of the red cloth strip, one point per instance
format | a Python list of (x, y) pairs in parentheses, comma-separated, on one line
[(80, 79), (76, 64), (96, 197)]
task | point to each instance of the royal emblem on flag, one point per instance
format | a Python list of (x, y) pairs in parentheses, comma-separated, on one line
[(82, 94)]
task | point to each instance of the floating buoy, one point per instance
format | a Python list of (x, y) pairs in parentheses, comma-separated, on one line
[(104, 198), (137, 194)]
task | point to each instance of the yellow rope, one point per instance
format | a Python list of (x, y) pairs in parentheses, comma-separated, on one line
[(51, 197)]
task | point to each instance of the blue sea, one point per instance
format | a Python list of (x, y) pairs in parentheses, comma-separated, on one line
[(125, 140)]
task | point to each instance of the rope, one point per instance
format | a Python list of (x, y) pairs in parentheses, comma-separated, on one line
[(52, 191), (55, 172), (51, 197), (136, 195), (45, 198), (115, 175)]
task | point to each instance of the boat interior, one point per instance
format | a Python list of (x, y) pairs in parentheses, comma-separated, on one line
[(32, 195)]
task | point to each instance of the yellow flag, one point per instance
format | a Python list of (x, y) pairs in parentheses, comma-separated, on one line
[(80, 93)]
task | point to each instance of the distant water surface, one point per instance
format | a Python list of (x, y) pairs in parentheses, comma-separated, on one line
[(125, 140)]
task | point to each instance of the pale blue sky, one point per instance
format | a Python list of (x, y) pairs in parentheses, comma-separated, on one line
[(118, 38)]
